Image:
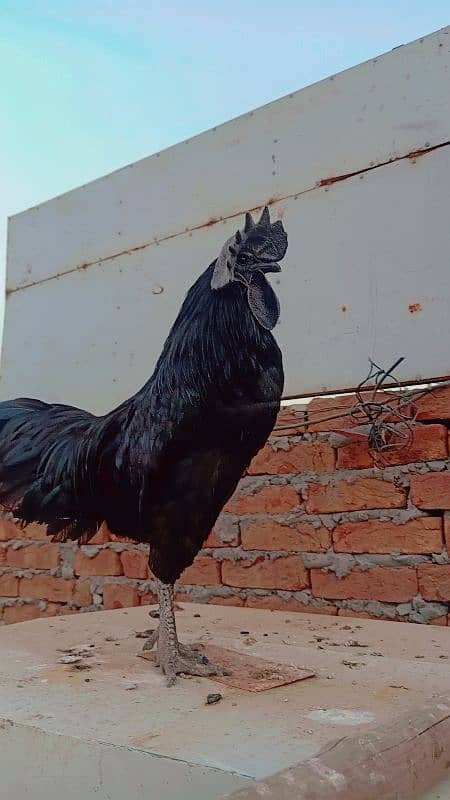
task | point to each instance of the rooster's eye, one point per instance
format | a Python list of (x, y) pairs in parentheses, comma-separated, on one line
[(243, 259)]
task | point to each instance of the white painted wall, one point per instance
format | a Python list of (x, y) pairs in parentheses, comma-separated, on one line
[(96, 276)]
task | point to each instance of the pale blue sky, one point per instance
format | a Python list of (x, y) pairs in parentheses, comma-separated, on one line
[(91, 85)]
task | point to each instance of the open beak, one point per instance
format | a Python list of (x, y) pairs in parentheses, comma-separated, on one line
[(268, 267)]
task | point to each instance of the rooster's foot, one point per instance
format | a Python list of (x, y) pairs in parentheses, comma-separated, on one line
[(190, 651), (185, 661)]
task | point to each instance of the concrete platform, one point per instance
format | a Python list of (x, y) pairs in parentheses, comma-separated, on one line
[(115, 730)]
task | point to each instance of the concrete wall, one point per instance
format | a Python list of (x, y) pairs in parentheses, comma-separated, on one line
[(312, 527)]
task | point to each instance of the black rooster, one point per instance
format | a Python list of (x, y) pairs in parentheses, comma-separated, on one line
[(161, 466)]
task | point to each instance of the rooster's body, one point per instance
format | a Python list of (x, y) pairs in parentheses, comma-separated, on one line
[(161, 466)]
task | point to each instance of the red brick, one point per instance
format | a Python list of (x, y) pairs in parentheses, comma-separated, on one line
[(321, 407), (431, 491), (263, 573), (35, 531), (121, 539), (204, 571), (429, 443), (268, 534), (135, 564), (102, 536), (269, 500), (226, 601), (440, 621), (295, 430), (106, 562), (52, 610), (119, 595), (9, 585), (447, 530), (355, 456), (45, 556), (362, 493), (9, 530), (82, 595), (380, 583), (285, 430), (213, 541), (2, 556), (46, 587), (301, 457), (148, 599), (24, 613), (182, 597), (434, 581), (226, 539), (292, 416), (416, 536), (278, 604), (435, 405), (12, 530), (57, 610)]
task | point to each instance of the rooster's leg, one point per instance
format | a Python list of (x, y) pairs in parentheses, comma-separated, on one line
[(172, 657)]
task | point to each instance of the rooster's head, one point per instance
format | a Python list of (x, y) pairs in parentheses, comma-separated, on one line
[(246, 256)]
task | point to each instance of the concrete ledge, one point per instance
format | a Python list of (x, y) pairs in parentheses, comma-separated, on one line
[(45, 765), (402, 759), (108, 728)]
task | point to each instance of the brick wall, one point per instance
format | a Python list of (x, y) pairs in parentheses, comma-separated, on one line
[(313, 527)]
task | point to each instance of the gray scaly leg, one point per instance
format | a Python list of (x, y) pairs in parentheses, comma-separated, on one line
[(172, 657)]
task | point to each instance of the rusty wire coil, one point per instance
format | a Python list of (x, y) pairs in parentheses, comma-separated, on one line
[(386, 417)]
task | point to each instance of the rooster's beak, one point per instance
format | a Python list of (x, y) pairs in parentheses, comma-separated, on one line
[(271, 267)]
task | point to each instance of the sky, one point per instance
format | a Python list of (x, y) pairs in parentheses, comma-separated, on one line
[(89, 86)]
